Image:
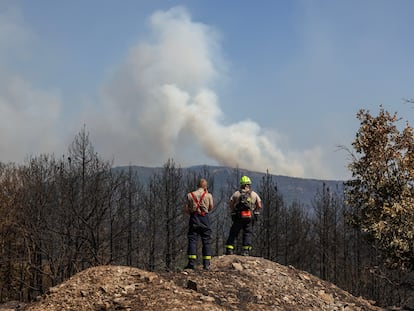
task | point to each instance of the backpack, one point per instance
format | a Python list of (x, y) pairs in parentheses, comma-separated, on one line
[(244, 205)]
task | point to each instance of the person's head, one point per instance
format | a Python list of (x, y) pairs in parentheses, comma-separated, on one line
[(202, 183), (245, 182)]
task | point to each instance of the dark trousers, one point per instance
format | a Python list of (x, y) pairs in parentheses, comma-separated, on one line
[(241, 224), (199, 226)]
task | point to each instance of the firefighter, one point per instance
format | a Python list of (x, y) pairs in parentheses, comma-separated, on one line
[(198, 204), (245, 205)]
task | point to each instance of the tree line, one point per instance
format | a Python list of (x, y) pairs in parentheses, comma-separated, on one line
[(60, 215)]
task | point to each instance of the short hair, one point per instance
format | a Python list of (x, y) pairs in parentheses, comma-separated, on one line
[(202, 183)]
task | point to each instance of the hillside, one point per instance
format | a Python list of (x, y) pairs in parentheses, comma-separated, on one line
[(292, 188), (233, 283)]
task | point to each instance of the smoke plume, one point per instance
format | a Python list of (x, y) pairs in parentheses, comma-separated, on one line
[(160, 103)]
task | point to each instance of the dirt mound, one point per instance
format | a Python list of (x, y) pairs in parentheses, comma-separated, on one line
[(233, 283)]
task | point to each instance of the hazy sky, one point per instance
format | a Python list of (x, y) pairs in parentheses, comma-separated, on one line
[(256, 84)]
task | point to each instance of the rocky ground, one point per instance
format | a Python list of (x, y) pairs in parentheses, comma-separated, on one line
[(233, 283)]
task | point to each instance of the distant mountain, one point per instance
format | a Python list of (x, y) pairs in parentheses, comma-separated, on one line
[(291, 188)]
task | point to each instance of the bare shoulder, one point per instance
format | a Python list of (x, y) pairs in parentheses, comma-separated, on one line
[(253, 193), (235, 195)]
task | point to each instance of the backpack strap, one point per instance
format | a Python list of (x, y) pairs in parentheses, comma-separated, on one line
[(198, 210), (247, 194)]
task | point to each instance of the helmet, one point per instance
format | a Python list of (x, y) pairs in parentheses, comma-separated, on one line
[(245, 181)]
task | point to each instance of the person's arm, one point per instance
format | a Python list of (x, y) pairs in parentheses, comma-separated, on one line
[(211, 203), (231, 204), (258, 203)]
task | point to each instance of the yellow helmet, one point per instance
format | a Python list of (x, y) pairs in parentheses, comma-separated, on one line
[(245, 181)]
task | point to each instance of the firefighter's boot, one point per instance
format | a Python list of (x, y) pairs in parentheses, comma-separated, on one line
[(206, 264), (191, 262), (229, 249)]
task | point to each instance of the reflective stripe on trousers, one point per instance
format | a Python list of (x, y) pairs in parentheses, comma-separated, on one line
[(199, 226)]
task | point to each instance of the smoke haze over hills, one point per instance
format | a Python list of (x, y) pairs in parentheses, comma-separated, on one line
[(161, 103), (274, 86)]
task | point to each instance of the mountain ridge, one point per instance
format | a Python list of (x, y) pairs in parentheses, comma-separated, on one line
[(293, 189)]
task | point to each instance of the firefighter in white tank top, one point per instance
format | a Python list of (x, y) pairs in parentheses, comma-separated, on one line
[(198, 204)]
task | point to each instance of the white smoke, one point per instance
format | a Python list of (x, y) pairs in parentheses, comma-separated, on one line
[(29, 117), (160, 104)]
